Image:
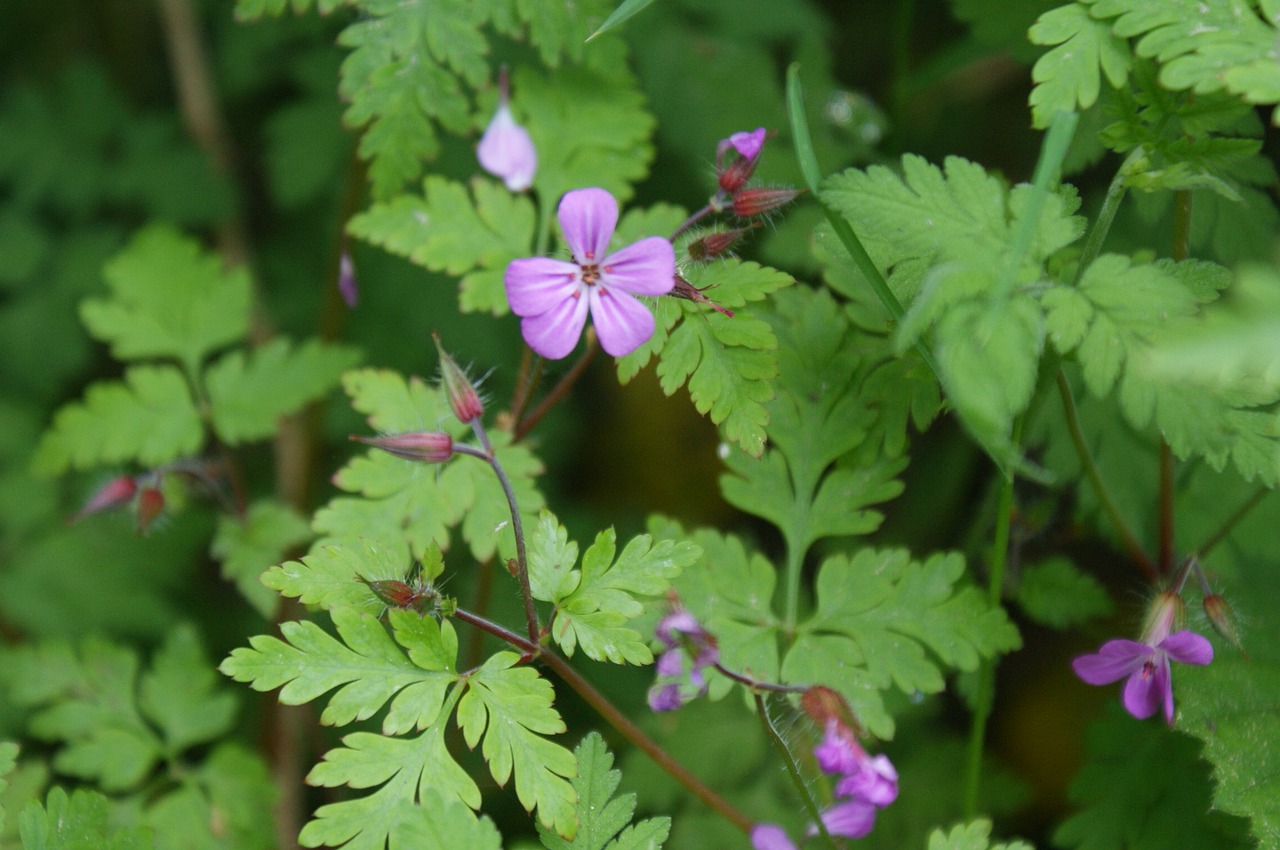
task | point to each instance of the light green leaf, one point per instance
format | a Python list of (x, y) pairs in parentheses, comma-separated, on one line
[(626, 10), (885, 620), (445, 230), (251, 9), (147, 418), (511, 707), (602, 818), (82, 821), (1067, 77), (180, 694), (971, 836), (169, 299), (1057, 594), (249, 392), (248, 545), (8, 760), (330, 576), (366, 666)]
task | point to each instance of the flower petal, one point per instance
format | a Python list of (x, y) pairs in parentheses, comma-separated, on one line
[(838, 753), (1141, 695), (1188, 647), (1114, 660), (875, 782), (1163, 686), (769, 836), (665, 698), (538, 285), (850, 819), (647, 267), (554, 334), (622, 323), (670, 663), (748, 144), (588, 217)]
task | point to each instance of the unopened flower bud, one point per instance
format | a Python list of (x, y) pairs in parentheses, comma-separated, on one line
[(150, 506), (397, 594), (463, 397), (116, 493), (717, 243), (506, 150), (733, 172), (686, 290), (1223, 618), (749, 203), (422, 446), (824, 705)]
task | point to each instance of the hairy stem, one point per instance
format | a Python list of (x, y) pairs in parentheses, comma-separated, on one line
[(614, 717), (1131, 544), (691, 221), (793, 769), (987, 672)]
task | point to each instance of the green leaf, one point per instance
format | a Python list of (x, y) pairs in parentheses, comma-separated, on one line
[(885, 620), (169, 299), (626, 9), (82, 821), (147, 418), (1232, 706), (1066, 78), (1055, 593), (1205, 48), (8, 760), (818, 418), (248, 545), (87, 699), (445, 230), (250, 392), (330, 575), (179, 694), (971, 836), (603, 820), (401, 502), (250, 9), (594, 603), (1144, 788), (726, 363), (439, 823), (226, 801), (511, 707), (366, 666)]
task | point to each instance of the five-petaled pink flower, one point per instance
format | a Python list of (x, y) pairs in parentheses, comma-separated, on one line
[(554, 296), (1147, 665), (1146, 662)]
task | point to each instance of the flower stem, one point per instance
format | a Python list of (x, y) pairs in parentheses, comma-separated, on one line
[(756, 684), (526, 380), (793, 769), (1131, 544), (560, 390), (987, 672), (691, 221), (1166, 502), (1106, 215), (613, 716), (517, 528), (1230, 523)]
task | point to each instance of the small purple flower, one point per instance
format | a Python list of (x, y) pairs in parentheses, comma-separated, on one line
[(682, 635), (554, 296), (746, 143), (852, 818), (732, 173), (505, 149), (347, 284), (1147, 666)]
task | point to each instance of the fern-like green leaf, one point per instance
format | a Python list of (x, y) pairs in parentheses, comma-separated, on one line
[(510, 707), (971, 836), (169, 299), (248, 545), (472, 235), (1057, 594), (1067, 77), (81, 821), (147, 418), (248, 393), (331, 574)]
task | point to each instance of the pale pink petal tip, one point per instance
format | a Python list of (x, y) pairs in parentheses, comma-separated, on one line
[(506, 151)]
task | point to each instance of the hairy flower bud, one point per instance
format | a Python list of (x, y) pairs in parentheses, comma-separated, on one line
[(733, 172), (1222, 618), (686, 290), (463, 397), (749, 203), (150, 506), (716, 243), (422, 446), (116, 493), (397, 594)]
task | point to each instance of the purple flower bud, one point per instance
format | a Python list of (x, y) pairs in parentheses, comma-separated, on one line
[(424, 447), (116, 493), (732, 173), (506, 149), (749, 203), (347, 280), (150, 506)]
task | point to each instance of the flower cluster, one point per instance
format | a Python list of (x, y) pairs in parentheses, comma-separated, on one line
[(1149, 685), (690, 650), (864, 784)]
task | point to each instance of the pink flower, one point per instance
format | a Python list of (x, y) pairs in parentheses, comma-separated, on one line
[(554, 296), (848, 819), (683, 637), (733, 172), (505, 149), (770, 836), (1147, 666)]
